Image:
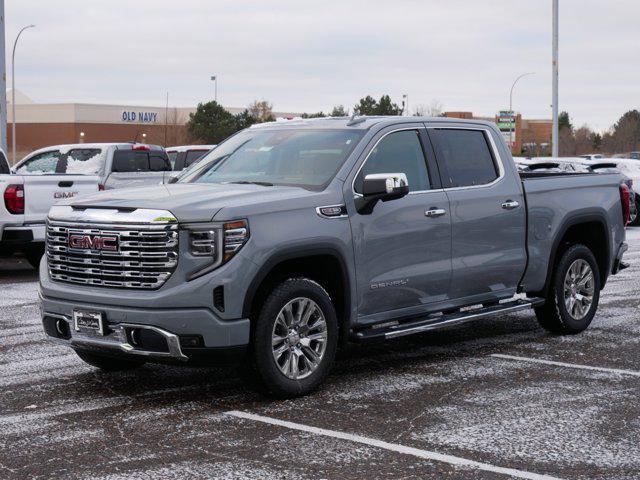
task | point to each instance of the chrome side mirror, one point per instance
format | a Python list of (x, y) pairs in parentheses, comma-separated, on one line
[(383, 187)]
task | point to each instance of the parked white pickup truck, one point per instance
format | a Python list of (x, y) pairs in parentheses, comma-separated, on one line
[(117, 165), (24, 204)]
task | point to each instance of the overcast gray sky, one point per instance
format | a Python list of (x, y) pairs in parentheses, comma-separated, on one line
[(311, 55)]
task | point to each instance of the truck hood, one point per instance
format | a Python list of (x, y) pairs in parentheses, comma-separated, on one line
[(191, 202)]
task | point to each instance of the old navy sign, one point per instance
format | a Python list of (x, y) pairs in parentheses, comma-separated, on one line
[(141, 117)]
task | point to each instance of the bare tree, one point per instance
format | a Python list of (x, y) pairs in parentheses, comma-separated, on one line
[(261, 110), (433, 109)]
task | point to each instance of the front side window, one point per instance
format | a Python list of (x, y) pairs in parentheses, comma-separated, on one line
[(297, 157), (464, 156), (173, 155), (193, 156), (398, 152), (43, 163)]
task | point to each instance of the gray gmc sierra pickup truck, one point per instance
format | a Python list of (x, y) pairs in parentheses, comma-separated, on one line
[(291, 239)]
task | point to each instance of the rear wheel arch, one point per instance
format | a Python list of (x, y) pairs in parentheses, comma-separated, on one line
[(589, 230)]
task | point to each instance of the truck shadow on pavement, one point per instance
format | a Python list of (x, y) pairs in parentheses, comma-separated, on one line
[(225, 387)]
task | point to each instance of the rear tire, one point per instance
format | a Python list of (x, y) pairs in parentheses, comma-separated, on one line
[(108, 364), (33, 254), (295, 339), (574, 293)]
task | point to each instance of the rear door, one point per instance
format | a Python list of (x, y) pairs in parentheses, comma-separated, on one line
[(137, 167), (488, 214)]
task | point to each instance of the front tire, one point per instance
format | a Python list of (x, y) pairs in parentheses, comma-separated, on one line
[(574, 293), (295, 338), (108, 364)]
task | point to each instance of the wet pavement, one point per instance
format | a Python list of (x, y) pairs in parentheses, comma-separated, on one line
[(496, 398)]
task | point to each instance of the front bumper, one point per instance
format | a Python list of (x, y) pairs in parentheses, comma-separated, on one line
[(171, 331)]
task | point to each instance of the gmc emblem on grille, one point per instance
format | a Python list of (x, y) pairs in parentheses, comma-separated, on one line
[(94, 242)]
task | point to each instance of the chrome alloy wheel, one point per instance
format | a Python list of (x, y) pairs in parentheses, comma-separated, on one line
[(299, 338), (578, 289)]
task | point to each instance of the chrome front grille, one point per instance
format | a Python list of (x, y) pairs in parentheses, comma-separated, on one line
[(146, 256)]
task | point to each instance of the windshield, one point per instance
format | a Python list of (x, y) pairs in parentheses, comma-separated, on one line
[(297, 157)]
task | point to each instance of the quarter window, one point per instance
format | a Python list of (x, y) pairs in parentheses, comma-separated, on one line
[(398, 152), (464, 156)]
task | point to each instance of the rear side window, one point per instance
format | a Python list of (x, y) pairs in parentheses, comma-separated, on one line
[(42, 163), (84, 161), (398, 152), (193, 156), (464, 157)]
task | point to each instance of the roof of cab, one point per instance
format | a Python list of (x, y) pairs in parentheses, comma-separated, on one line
[(184, 148), (66, 147), (361, 122)]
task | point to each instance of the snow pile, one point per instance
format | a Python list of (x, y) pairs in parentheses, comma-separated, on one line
[(91, 165)]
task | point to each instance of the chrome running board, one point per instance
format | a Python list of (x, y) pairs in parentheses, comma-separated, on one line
[(439, 321)]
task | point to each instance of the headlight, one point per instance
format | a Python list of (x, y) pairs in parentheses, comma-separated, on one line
[(203, 243), (219, 242), (236, 235)]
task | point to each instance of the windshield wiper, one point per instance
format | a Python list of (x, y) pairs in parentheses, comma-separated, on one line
[(247, 182)]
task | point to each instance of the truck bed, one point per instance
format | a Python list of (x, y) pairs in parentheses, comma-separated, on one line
[(555, 201)]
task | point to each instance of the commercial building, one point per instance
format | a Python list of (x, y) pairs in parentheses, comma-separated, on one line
[(531, 137), (42, 124)]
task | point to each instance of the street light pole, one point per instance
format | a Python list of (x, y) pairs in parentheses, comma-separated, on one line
[(3, 84), (214, 79), (511, 103), (13, 93), (555, 133)]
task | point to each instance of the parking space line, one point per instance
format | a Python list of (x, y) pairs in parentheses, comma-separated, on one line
[(393, 447), (617, 371)]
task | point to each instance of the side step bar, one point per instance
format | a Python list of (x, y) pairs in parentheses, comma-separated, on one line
[(438, 321)]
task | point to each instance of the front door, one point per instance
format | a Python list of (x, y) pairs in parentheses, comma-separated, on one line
[(403, 254)]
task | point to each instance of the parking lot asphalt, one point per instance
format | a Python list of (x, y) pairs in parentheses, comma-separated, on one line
[(496, 398)]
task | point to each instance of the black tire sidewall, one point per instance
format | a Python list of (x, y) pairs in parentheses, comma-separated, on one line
[(273, 379), (573, 253)]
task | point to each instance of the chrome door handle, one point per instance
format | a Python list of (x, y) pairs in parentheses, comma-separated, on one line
[(435, 212), (510, 205)]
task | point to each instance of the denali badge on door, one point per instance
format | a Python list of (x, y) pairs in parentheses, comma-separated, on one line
[(107, 243), (88, 322)]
